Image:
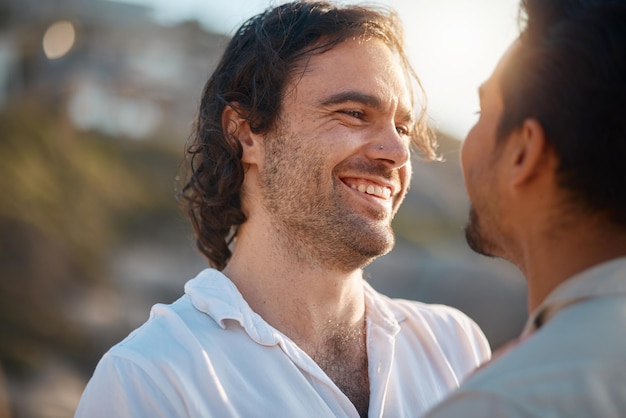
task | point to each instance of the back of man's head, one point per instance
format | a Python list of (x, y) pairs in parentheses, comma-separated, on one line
[(569, 73)]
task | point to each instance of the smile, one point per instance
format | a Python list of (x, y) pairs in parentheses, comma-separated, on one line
[(382, 192), (377, 191)]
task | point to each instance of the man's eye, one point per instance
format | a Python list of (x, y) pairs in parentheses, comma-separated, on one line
[(353, 113), (402, 130)]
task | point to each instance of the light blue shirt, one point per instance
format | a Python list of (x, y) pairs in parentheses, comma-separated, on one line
[(573, 365)]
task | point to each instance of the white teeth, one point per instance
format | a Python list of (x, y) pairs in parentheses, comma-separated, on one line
[(378, 191)]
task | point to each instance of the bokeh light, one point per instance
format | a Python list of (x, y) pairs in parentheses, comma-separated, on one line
[(58, 39)]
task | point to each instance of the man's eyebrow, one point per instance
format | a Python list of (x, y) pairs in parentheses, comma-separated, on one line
[(353, 96), (366, 99)]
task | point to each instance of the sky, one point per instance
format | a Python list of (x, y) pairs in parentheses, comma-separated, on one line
[(453, 44)]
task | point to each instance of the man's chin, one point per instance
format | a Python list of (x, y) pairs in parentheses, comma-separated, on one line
[(476, 242), (475, 237)]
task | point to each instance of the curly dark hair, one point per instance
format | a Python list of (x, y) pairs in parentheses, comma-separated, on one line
[(569, 73), (258, 62)]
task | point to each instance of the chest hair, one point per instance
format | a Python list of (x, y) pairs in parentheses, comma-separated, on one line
[(343, 357)]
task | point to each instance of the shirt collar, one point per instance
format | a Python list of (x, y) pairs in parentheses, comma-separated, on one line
[(601, 280), (378, 311), (214, 294)]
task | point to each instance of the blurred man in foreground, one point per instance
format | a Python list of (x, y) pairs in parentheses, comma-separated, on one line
[(299, 161), (545, 169)]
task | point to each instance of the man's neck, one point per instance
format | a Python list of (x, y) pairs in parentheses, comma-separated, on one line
[(306, 301), (548, 262), (321, 310)]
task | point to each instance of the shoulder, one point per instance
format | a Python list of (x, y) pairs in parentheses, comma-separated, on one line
[(127, 383), (438, 331), (561, 370), (146, 372), (467, 403), (166, 325), (169, 339), (441, 320)]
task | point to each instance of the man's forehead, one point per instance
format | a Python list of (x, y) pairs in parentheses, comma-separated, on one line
[(492, 84), (503, 64), (353, 65)]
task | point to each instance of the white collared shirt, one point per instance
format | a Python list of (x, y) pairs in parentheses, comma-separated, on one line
[(573, 365), (209, 355)]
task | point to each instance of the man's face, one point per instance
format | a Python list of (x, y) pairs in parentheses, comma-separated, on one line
[(337, 167), (480, 156)]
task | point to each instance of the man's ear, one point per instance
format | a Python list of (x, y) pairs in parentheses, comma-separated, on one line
[(531, 154), (237, 128)]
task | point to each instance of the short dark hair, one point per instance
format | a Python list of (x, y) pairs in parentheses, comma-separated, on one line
[(569, 73), (251, 77)]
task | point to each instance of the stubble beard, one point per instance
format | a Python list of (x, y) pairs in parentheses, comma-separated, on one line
[(312, 219), (476, 237)]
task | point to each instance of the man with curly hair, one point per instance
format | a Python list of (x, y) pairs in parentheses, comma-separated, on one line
[(299, 160)]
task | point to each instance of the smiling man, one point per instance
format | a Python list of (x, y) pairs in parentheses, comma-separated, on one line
[(299, 161)]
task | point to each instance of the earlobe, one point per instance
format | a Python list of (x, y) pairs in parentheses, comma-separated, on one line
[(531, 152), (237, 128)]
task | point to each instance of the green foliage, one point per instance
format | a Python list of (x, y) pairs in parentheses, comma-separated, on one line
[(67, 197)]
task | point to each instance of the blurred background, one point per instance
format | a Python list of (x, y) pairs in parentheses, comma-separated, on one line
[(96, 103)]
